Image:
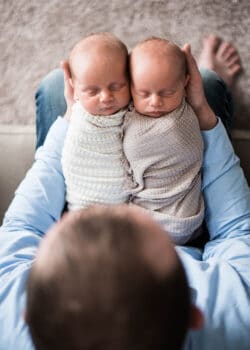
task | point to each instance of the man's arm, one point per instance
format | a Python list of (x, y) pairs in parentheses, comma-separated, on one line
[(39, 199), (220, 276), (38, 202), (225, 188)]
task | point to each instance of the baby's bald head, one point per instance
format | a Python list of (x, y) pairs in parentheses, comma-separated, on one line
[(158, 77), (96, 46), (162, 50), (98, 66)]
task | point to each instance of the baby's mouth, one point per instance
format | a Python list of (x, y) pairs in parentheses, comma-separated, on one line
[(107, 109), (155, 113)]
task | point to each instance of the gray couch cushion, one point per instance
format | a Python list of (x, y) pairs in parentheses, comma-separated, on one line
[(17, 145)]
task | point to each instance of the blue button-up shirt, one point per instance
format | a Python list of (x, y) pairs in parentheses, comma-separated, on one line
[(219, 276)]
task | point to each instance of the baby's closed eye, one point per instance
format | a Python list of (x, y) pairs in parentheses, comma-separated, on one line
[(90, 91), (116, 86), (167, 93), (143, 94)]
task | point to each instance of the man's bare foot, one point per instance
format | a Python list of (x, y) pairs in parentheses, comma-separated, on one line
[(221, 57)]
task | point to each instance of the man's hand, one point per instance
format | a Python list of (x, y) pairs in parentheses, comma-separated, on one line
[(195, 93), (68, 89)]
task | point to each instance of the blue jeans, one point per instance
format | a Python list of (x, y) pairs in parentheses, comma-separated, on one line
[(50, 102)]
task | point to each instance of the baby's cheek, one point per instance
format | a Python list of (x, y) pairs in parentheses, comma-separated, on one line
[(128, 95), (140, 105), (176, 101)]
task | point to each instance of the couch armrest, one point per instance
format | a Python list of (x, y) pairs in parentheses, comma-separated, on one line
[(17, 147)]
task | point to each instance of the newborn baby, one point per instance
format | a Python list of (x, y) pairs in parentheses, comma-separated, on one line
[(93, 162), (162, 140)]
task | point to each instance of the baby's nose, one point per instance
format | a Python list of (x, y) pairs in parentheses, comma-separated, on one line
[(155, 100), (105, 96)]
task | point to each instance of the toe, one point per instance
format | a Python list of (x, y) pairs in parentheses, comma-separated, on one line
[(223, 48), (234, 70), (213, 42), (231, 51), (235, 59)]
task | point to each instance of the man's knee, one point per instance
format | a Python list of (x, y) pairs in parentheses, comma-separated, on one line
[(213, 84), (215, 90), (218, 96), (52, 82), (50, 93), (50, 102)]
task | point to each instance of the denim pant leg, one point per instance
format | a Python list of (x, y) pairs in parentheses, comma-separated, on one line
[(218, 96), (50, 103)]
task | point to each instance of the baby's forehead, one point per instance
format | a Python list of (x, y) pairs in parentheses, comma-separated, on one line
[(87, 49), (96, 48), (99, 44), (158, 52), (157, 48)]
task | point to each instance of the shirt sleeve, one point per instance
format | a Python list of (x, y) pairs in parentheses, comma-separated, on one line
[(225, 188), (38, 203), (39, 199), (219, 277)]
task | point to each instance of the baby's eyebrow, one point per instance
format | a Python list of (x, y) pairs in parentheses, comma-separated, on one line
[(142, 90), (168, 90), (159, 92), (89, 87), (117, 83)]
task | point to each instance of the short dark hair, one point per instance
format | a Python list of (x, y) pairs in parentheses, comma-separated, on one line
[(102, 293)]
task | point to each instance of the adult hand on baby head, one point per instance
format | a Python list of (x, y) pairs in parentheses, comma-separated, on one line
[(68, 89), (195, 93)]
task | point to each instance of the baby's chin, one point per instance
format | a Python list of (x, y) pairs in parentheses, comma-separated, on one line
[(106, 111), (151, 114), (110, 110), (154, 114)]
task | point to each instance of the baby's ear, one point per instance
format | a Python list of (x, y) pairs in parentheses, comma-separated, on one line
[(186, 79), (75, 97), (71, 83)]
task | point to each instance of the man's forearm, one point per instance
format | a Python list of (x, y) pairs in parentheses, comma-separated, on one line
[(39, 199), (226, 192), (206, 117)]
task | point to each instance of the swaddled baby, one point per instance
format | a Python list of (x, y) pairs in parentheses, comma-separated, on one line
[(162, 139), (93, 162)]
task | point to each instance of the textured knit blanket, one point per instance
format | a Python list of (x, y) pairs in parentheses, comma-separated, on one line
[(93, 161), (165, 155)]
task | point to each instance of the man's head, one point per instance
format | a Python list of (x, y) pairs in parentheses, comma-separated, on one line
[(107, 278), (99, 73), (158, 76)]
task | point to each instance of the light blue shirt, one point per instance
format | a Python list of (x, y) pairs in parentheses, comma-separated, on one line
[(219, 276)]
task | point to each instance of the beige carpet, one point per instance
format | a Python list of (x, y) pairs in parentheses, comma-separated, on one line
[(35, 36)]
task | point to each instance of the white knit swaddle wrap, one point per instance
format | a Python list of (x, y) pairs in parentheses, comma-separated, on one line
[(165, 155), (93, 162)]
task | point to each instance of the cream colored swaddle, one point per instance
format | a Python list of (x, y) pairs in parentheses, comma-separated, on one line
[(93, 161), (165, 155)]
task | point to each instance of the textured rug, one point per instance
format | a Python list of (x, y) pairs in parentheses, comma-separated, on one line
[(35, 36)]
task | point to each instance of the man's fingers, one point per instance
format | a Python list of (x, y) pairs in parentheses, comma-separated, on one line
[(191, 62)]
